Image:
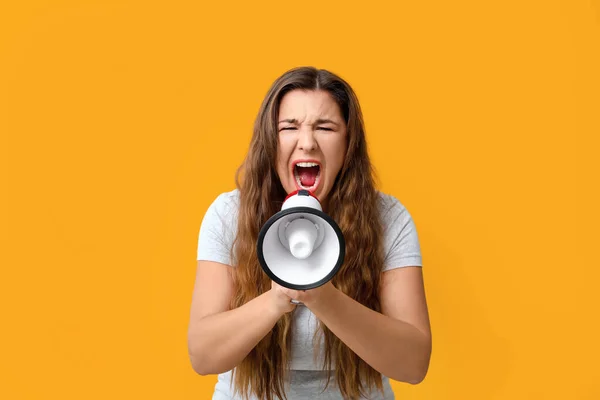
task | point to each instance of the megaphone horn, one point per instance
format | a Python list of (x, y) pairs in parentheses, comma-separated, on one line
[(301, 247)]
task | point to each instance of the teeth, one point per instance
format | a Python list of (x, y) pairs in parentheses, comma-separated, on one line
[(307, 164)]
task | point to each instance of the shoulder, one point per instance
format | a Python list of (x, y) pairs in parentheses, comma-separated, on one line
[(228, 199), (223, 210), (226, 203), (217, 231), (400, 238), (390, 208)]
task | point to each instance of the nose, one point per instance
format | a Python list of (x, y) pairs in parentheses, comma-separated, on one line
[(306, 140)]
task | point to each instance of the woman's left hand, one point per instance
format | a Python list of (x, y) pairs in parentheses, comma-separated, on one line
[(312, 297)]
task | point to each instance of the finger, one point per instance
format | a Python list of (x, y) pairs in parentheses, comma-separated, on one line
[(294, 294)]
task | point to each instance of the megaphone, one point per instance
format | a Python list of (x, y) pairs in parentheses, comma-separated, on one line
[(301, 247)]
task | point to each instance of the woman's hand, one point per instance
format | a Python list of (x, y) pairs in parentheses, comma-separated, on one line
[(280, 299), (310, 298)]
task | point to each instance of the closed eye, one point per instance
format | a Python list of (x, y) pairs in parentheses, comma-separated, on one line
[(290, 128)]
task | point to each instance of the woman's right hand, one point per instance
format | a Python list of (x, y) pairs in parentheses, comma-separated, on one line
[(281, 301)]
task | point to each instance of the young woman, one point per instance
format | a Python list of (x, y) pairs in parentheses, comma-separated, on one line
[(351, 335)]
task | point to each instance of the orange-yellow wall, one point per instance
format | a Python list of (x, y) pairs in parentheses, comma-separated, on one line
[(121, 121)]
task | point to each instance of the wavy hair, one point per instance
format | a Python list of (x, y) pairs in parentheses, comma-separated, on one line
[(352, 203)]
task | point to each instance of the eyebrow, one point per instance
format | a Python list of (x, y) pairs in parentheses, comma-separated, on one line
[(317, 122)]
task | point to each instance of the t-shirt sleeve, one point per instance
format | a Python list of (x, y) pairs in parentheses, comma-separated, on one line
[(216, 232), (402, 247)]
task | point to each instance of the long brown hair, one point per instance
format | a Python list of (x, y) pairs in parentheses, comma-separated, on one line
[(352, 203)]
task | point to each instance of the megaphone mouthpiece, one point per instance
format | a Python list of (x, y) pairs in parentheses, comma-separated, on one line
[(302, 235)]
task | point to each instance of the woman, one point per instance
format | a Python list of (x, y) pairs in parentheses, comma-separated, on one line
[(369, 323)]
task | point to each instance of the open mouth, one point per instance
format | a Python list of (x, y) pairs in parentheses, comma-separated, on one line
[(307, 175)]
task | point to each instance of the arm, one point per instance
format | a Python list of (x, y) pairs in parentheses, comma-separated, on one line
[(396, 342), (220, 338)]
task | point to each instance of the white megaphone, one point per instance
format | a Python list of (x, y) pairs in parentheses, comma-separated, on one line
[(301, 247)]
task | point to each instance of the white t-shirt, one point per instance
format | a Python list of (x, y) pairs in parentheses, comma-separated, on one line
[(401, 249)]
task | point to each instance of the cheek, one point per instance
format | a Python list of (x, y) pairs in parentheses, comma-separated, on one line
[(280, 168), (336, 151), (283, 155)]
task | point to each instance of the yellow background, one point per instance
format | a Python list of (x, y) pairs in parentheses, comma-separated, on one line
[(121, 121)]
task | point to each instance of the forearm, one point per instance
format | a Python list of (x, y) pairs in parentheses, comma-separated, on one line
[(395, 348), (219, 342)]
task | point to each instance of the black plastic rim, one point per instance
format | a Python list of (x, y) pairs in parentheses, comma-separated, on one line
[(293, 210)]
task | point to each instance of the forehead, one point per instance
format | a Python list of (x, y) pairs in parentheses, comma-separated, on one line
[(309, 104)]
